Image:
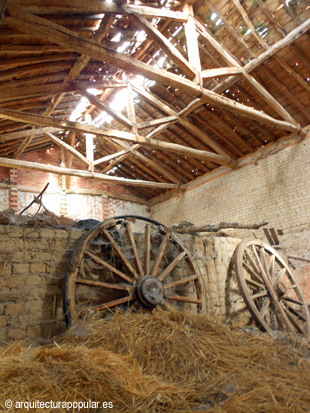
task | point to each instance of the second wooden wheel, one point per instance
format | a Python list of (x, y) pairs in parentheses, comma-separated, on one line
[(130, 261), (270, 289)]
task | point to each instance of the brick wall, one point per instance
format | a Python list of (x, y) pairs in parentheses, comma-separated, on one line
[(273, 185), (269, 186), (24, 184)]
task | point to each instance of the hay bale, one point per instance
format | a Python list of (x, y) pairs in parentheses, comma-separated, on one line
[(163, 361)]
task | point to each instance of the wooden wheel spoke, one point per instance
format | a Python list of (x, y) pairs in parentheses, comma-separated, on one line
[(182, 281), (260, 264), (113, 303), (271, 267), (289, 312), (291, 300), (120, 254), (265, 308), (259, 294), (264, 279), (109, 267), (254, 283), (255, 270), (160, 254), (262, 257), (181, 298), (171, 266), (279, 276), (147, 251), (102, 284), (134, 247)]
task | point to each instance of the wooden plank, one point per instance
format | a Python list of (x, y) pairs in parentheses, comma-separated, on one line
[(62, 36), (142, 140), (166, 46), (13, 163), (69, 148)]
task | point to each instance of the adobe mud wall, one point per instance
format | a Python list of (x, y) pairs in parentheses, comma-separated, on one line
[(33, 265)]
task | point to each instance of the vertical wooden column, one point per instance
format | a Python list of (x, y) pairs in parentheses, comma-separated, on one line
[(192, 42), (131, 112), (89, 144), (13, 191), (70, 159)]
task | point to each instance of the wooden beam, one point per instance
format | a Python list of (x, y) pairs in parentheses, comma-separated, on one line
[(142, 140), (274, 49), (24, 133), (95, 7), (105, 107), (166, 46), (13, 163), (70, 159), (12, 93), (60, 35), (156, 122), (273, 103), (222, 71), (185, 123), (110, 157), (192, 41), (152, 12), (69, 148)]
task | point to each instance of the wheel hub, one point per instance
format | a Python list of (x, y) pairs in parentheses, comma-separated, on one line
[(280, 289), (149, 291)]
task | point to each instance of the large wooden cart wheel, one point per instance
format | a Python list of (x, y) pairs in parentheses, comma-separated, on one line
[(270, 289), (130, 261)]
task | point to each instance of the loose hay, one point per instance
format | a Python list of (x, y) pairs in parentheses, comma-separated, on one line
[(162, 362)]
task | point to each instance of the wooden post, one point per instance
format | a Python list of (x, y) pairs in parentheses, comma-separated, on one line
[(89, 145)]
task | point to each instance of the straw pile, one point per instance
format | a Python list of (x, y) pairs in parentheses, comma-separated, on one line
[(162, 362)]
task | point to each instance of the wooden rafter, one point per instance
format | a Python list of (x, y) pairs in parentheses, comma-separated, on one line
[(166, 46), (111, 133), (60, 35), (14, 163)]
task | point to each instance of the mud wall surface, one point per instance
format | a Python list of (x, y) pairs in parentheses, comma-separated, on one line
[(33, 265), (32, 269)]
